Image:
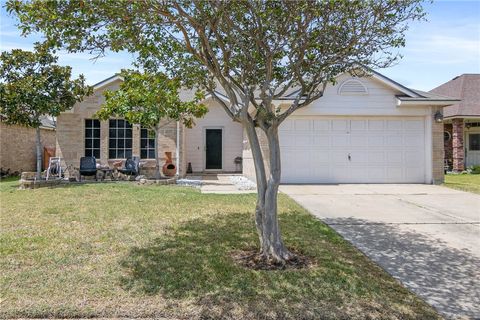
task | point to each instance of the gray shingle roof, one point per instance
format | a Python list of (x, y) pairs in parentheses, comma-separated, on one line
[(465, 87)]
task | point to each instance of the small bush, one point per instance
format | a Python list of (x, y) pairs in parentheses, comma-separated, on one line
[(474, 169)]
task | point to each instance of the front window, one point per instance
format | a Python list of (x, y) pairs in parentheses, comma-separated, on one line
[(92, 138), (120, 139), (147, 144), (474, 142)]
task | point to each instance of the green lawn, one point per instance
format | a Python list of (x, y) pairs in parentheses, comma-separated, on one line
[(122, 250), (464, 182)]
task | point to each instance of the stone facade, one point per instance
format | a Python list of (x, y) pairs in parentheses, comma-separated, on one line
[(457, 145), (71, 134), (17, 147)]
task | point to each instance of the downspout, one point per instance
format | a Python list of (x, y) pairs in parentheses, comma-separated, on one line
[(177, 149)]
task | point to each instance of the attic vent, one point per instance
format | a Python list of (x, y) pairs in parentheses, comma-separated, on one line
[(352, 87)]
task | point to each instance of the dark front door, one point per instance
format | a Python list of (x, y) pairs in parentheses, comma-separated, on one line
[(213, 148)]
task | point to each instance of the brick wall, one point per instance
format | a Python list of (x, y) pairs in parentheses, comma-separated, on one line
[(437, 150), (17, 147), (448, 145), (71, 134)]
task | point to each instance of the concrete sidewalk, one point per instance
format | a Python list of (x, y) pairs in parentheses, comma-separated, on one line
[(426, 236)]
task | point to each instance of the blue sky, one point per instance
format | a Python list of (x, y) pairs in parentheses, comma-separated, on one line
[(436, 51)]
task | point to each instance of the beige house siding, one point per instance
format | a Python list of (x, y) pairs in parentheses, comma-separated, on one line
[(248, 164), (232, 139), (17, 146)]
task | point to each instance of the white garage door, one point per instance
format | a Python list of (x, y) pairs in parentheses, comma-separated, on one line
[(353, 150)]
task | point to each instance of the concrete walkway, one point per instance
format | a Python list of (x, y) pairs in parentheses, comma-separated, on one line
[(426, 236)]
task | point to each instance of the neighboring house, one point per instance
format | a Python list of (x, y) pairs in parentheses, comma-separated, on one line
[(462, 121), (363, 130), (17, 145)]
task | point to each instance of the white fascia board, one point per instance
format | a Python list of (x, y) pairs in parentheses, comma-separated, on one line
[(107, 81), (420, 102)]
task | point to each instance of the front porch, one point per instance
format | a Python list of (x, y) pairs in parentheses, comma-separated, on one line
[(462, 143)]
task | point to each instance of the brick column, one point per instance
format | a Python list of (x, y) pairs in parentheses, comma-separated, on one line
[(457, 142)]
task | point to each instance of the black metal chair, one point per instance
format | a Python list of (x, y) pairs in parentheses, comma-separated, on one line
[(88, 167), (132, 167)]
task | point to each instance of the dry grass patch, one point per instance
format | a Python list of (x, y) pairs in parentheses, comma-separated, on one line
[(120, 250)]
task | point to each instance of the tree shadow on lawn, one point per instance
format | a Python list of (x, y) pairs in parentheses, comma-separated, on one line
[(193, 261)]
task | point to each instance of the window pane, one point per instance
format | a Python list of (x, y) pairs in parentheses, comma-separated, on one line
[(143, 133), (151, 154), (96, 123), (474, 142), (143, 143), (128, 153), (128, 143), (112, 123), (88, 123), (88, 143), (96, 153), (112, 154), (112, 144), (120, 123), (143, 154), (120, 143), (120, 154), (112, 133), (88, 152), (88, 132), (96, 133), (151, 143), (128, 133), (128, 125), (96, 143)]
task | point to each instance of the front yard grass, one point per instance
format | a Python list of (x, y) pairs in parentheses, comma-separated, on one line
[(464, 182), (121, 250)]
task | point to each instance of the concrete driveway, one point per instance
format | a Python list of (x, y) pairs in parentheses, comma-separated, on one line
[(426, 236)]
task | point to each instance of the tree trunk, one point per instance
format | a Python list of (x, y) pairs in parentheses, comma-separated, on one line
[(157, 158), (38, 147), (271, 244)]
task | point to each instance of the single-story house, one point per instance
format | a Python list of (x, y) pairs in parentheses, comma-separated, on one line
[(462, 121), (363, 130), (17, 145)]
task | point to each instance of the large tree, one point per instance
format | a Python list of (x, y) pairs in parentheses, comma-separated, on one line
[(252, 51), (148, 98), (33, 86)]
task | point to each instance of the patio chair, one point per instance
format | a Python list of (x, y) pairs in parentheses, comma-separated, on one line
[(88, 167), (132, 167)]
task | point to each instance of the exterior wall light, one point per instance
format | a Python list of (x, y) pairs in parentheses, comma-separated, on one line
[(438, 116)]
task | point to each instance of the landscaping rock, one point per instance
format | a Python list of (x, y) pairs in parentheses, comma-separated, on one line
[(243, 183)]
